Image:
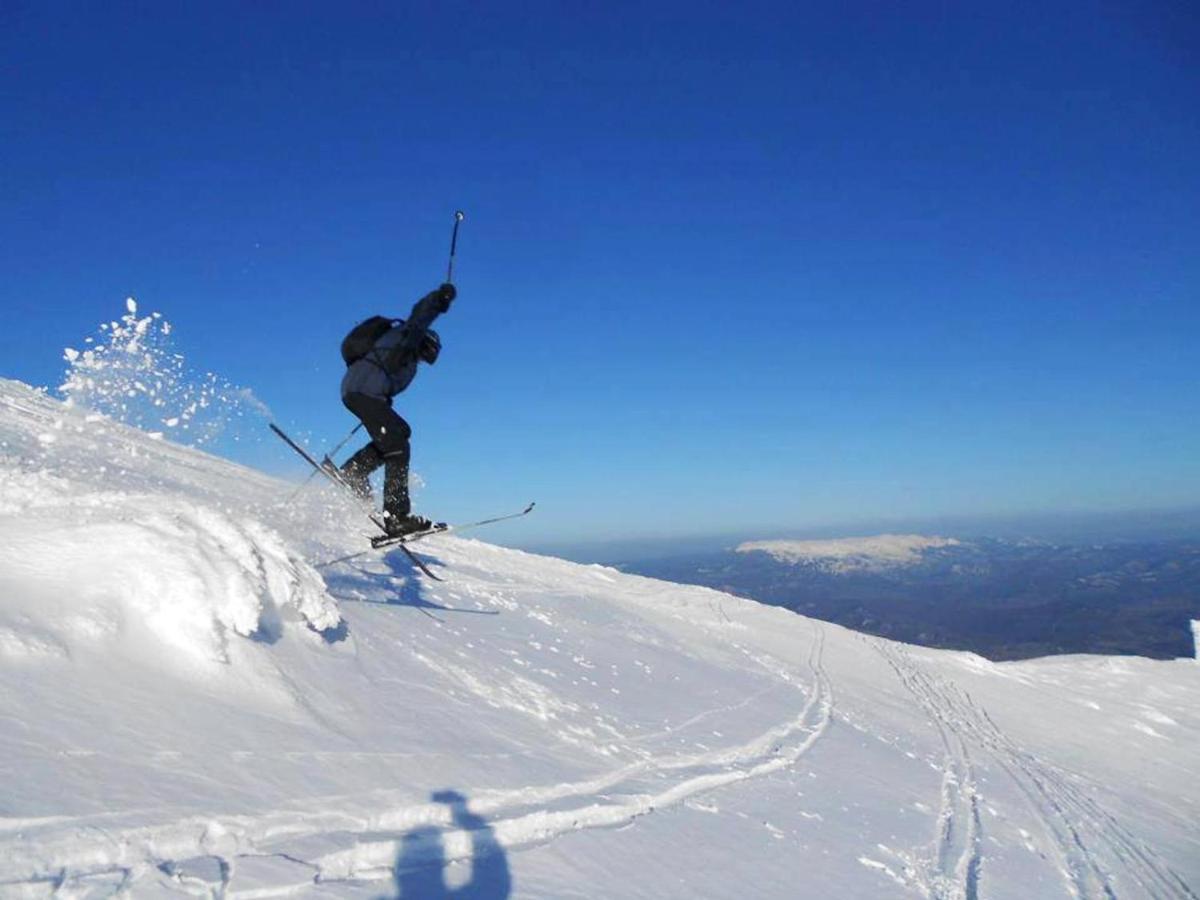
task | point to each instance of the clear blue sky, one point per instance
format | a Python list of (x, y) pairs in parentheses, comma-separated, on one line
[(726, 266)]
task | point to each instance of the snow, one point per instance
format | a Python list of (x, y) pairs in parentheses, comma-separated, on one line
[(132, 372), (194, 705), (841, 555)]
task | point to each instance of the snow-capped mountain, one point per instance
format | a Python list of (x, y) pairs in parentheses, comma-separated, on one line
[(193, 704), (840, 555)]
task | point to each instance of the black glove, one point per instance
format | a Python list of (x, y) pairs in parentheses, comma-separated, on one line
[(445, 294)]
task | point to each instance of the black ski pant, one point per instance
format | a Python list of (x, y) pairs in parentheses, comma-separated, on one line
[(389, 447)]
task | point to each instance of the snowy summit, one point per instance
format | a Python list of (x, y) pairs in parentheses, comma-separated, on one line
[(195, 703), (842, 555)]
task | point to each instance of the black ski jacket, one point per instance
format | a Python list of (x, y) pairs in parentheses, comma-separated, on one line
[(391, 364)]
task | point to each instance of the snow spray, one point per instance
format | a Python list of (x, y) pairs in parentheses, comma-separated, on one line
[(131, 373)]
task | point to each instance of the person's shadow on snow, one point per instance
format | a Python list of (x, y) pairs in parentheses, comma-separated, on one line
[(421, 867)]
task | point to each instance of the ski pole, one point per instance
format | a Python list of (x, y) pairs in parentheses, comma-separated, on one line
[(459, 215), (345, 440), (328, 455)]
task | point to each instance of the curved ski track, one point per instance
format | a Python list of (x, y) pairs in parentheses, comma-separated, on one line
[(358, 844), (1086, 837)]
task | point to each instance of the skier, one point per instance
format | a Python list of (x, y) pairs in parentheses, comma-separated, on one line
[(382, 357)]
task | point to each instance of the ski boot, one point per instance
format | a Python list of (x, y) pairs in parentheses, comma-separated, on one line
[(356, 472), (401, 526)]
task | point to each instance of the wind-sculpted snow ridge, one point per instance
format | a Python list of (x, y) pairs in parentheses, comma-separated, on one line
[(93, 555), (192, 706), (186, 575), (841, 555)]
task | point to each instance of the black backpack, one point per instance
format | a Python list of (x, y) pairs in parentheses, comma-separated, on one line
[(362, 338)]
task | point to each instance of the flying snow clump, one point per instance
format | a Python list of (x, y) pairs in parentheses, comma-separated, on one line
[(131, 372)]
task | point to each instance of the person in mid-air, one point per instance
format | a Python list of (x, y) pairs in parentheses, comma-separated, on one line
[(382, 356)]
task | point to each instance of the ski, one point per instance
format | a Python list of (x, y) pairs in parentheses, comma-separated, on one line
[(329, 472), (383, 541), (420, 564)]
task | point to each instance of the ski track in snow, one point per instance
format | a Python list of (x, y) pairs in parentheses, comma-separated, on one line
[(207, 854), (949, 868), (1085, 837)]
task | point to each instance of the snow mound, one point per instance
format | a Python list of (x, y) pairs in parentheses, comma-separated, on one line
[(843, 555), (189, 575), (90, 552)]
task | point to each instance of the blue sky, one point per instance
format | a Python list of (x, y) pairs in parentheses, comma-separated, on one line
[(726, 266)]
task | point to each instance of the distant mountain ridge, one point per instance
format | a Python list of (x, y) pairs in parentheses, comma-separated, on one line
[(851, 554), (1002, 598)]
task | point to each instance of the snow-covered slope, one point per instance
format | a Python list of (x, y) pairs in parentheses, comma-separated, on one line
[(190, 703)]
